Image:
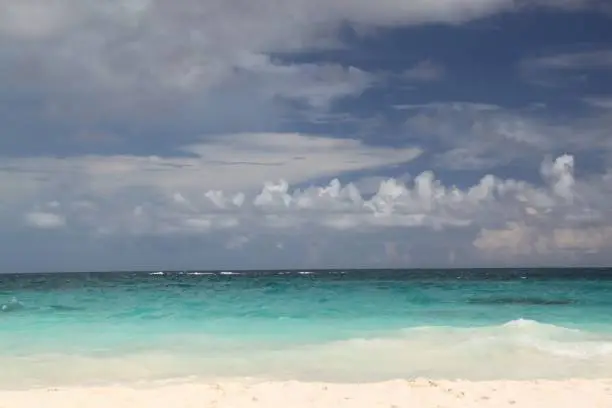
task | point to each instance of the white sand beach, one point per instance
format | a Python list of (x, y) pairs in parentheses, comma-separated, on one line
[(419, 393)]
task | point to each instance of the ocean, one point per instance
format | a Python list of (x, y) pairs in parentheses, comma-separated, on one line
[(332, 325)]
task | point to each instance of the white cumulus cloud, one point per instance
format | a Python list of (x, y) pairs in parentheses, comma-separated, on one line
[(407, 221), (511, 217)]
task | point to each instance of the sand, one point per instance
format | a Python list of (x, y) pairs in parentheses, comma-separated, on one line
[(390, 394)]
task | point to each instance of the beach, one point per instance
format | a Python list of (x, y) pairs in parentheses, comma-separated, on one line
[(419, 393)]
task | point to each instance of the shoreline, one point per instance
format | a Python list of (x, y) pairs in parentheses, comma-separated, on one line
[(239, 393)]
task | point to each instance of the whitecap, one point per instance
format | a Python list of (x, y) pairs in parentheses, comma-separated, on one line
[(12, 305)]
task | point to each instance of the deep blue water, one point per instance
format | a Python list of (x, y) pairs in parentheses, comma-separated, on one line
[(307, 325)]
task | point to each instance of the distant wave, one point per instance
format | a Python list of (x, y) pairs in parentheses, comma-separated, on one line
[(520, 300), (11, 306), (15, 305), (194, 273)]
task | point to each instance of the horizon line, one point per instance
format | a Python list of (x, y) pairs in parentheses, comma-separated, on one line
[(314, 270)]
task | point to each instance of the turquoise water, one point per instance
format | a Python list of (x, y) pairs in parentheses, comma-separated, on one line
[(322, 325)]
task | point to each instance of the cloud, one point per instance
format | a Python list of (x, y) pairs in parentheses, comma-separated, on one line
[(515, 239), (145, 58), (560, 173), (188, 48), (591, 239), (571, 61), (404, 222), (565, 69), (316, 84), (512, 216), (212, 87), (237, 242), (297, 21), (601, 102), (471, 136), (424, 71), (44, 220), (231, 162), (518, 239)]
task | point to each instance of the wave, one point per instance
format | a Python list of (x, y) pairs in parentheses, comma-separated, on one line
[(11, 306), (196, 273), (529, 301), (15, 305), (518, 349)]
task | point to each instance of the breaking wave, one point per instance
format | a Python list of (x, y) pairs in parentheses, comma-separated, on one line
[(519, 349)]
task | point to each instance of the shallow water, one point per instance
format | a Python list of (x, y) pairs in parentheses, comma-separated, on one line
[(320, 325)]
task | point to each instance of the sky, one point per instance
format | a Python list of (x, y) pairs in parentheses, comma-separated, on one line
[(233, 134)]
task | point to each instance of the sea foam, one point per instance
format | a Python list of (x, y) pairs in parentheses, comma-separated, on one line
[(519, 349)]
